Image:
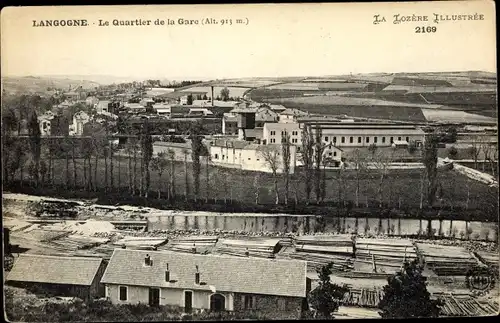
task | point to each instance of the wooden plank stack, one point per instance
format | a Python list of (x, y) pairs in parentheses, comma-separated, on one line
[(488, 258), (384, 255), (448, 260), (78, 242), (319, 250), (363, 297), (453, 305), (257, 247), (141, 243), (202, 244)]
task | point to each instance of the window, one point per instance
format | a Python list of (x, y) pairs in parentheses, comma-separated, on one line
[(326, 138), (273, 133), (329, 154), (383, 140), (375, 139), (283, 133), (216, 156), (334, 140), (407, 139), (342, 140), (294, 141), (223, 157), (351, 140), (123, 293), (334, 153), (392, 140), (399, 138), (359, 140), (273, 140), (295, 133), (367, 140), (298, 148), (249, 158), (248, 302)]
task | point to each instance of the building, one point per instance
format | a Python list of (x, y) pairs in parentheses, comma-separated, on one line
[(240, 154), (157, 91), (79, 120), (291, 115), (45, 122), (347, 134), (53, 124), (263, 115), (92, 101), (62, 276), (207, 282)]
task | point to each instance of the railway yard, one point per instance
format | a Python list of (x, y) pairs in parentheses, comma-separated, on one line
[(363, 264)]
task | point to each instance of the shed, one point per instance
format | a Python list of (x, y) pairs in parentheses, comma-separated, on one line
[(62, 276)]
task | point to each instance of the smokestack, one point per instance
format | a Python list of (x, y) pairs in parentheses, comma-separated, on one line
[(197, 276), (167, 275), (212, 88)]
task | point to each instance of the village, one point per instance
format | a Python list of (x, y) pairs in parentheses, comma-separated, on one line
[(232, 200)]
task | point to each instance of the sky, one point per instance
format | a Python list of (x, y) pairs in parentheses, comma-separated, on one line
[(279, 40)]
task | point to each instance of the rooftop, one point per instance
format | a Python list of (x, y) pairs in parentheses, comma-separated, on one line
[(54, 269), (222, 273)]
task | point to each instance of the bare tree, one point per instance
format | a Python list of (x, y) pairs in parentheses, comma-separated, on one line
[(270, 154), (207, 176), (256, 185), (158, 164), (430, 162), (474, 150), (319, 148), (381, 162), (359, 163), (307, 159), (185, 152), (285, 144), (171, 158)]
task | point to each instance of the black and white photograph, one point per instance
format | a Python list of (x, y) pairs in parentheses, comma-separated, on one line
[(215, 162)]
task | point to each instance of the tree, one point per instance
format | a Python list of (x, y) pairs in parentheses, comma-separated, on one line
[(35, 144), (285, 144), (307, 158), (474, 150), (430, 162), (196, 151), (189, 100), (147, 154), (224, 94), (158, 164), (326, 298), (171, 158), (406, 295), (359, 163), (319, 148), (270, 154), (381, 162), (185, 152)]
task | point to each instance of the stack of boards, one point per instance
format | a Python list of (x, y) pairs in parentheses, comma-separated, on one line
[(253, 247), (448, 260), (384, 255)]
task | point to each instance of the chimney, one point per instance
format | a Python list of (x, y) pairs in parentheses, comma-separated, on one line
[(148, 261), (167, 275), (212, 88), (197, 276)]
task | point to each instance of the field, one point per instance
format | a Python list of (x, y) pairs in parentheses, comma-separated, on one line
[(234, 92), (400, 188), (40, 84), (438, 115)]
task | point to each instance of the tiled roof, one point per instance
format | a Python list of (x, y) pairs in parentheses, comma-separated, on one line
[(54, 269), (224, 273)]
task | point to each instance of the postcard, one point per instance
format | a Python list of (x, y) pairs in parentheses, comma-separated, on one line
[(250, 161)]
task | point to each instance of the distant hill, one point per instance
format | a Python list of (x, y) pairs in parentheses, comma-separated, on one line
[(30, 84)]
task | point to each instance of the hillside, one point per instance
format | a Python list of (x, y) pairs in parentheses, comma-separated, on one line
[(30, 84)]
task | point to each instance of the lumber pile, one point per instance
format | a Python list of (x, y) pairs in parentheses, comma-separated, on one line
[(453, 305), (141, 243), (35, 234), (77, 242), (319, 250), (198, 244), (448, 260), (363, 297), (259, 247), (384, 255), (488, 258)]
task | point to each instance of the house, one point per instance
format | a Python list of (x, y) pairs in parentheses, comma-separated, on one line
[(79, 120), (274, 132), (45, 121), (62, 276), (291, 115), (92, 101), (240, 154), (197, 282)]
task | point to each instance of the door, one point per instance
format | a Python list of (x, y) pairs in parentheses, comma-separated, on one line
[(154, 297), (188, 301), (217, 302)]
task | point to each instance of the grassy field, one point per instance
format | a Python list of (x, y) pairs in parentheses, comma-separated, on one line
[(401, 188), (234, 92)]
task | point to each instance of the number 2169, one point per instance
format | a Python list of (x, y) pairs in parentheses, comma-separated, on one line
[(423, 30)]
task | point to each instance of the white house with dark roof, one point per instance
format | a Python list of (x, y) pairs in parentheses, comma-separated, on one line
[(62, 276), (207, 282)]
